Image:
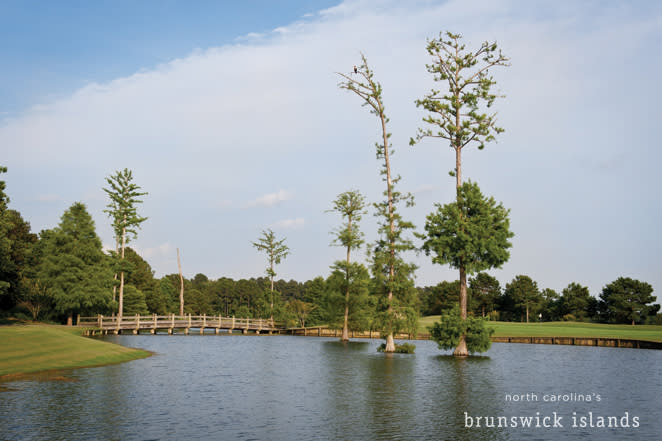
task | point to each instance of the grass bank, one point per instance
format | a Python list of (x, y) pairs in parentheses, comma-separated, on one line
[(32, 348), (564, 329)]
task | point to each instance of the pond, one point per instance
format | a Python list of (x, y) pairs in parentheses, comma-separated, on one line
[(306, 388)]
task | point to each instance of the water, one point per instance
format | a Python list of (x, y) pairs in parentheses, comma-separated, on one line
[(296, 388)]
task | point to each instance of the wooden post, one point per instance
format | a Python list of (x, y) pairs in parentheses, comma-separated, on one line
[(77, 319), (204, 324), (100, 319)]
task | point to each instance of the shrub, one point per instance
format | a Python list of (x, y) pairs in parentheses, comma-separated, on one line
[(447, 332), (404, 348)]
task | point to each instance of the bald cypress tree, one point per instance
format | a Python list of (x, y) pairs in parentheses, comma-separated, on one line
[(124, 196), (276, 250), (393, 276), (460, 113), (350, 205)]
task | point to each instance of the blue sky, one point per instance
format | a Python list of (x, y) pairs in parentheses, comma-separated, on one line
[(229, 115)]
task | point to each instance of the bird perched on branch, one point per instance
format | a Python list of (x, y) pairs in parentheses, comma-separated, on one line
[(356, 70)]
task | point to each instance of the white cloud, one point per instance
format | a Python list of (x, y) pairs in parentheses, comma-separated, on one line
[(289, 223), (271, 199), (164, 250), (425, 188)]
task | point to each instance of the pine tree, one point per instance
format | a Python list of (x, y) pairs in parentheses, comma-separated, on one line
[(73, 266)]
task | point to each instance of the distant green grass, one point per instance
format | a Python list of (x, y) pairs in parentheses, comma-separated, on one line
[(564, 329), (33, 348)]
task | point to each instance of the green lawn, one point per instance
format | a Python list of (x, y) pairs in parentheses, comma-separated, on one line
[(32, 348), (564, 329)]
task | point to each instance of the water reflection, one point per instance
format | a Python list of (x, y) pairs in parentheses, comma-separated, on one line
[(296, 388)]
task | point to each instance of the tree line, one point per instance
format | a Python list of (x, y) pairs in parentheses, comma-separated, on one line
[(624, 300), (64, 271)]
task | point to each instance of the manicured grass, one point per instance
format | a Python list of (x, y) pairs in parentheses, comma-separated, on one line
[(32, 348), (564, 329)]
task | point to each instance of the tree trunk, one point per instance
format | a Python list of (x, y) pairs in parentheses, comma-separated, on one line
[(181, 285), (527, 313), (70, 320), (272, 294), (345, 328), (121, 305), (390, 344), (117, 251), (461, 350), (121, 297)]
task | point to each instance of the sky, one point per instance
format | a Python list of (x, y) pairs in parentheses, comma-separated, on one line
[(230, 117)]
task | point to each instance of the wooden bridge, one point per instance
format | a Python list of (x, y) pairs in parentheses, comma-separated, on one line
[(154, 323)]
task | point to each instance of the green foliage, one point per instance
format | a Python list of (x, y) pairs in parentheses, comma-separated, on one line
[(551, 305), (626, 300), (122, 209), (170, 294), (348, 293), (197, 302), (574, 301), (301, 310), (361, 304), (15, 264), (485, 292), (471, 233), (6, 265), (448, 331), (72, 265), (525, 295), (141, 275), (351, 206), (404, 348), (442, 297), (315, 291), (134, 301), (276, 250), (459, 115), (36, 298)]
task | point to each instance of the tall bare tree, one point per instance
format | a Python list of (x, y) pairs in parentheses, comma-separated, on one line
[(460, 114), (393, 274)]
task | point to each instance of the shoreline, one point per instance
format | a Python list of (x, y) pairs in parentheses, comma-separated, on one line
[(40, 349)]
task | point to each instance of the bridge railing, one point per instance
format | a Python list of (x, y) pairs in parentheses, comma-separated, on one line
[(175, 321)]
